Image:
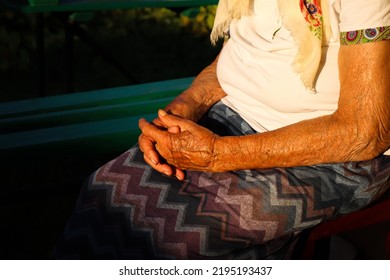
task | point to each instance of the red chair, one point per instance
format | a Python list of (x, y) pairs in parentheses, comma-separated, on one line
[(376, 213)]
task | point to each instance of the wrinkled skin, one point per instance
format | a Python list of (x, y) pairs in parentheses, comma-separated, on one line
[(182, 143)]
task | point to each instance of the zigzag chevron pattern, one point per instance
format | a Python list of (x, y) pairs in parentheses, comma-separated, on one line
[(127, 210)]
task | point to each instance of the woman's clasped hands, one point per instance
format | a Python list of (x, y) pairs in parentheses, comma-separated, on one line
[(172, 144)]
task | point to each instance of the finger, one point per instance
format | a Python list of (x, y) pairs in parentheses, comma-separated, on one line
[(174, 129), (169, 120), (162, 168), (145, 143), (167, 169), (152, 158), (179, 174), (150, 130), (157, 122), (147, 146)]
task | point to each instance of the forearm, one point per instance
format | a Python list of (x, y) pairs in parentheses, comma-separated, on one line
[(316, 141), (199, 97)]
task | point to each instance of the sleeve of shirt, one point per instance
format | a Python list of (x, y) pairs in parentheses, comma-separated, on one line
[(364, 14), (364, 21)]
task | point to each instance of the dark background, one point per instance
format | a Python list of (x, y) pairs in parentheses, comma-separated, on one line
[(39, 188)]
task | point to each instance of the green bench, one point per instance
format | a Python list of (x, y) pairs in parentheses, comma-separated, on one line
[(102, 120)]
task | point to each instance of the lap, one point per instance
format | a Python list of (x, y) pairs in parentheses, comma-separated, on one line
[(127, 210)]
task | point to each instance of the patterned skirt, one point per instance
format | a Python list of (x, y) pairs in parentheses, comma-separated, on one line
[(127, 210)]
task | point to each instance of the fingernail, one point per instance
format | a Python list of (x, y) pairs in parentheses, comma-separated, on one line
[(161, 112), (179, 178)]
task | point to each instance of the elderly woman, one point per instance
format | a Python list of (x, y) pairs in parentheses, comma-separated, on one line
[(288, 127)]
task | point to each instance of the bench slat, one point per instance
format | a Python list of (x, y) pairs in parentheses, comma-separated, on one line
[(96, 98), (60, 118), (122, 130)]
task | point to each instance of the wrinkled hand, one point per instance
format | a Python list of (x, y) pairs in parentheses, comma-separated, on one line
[(151, 155), (183, 144), (184, 108)]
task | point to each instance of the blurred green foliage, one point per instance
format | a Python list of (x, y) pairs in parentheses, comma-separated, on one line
[(16, 40), (200, 19), (152, 43)]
